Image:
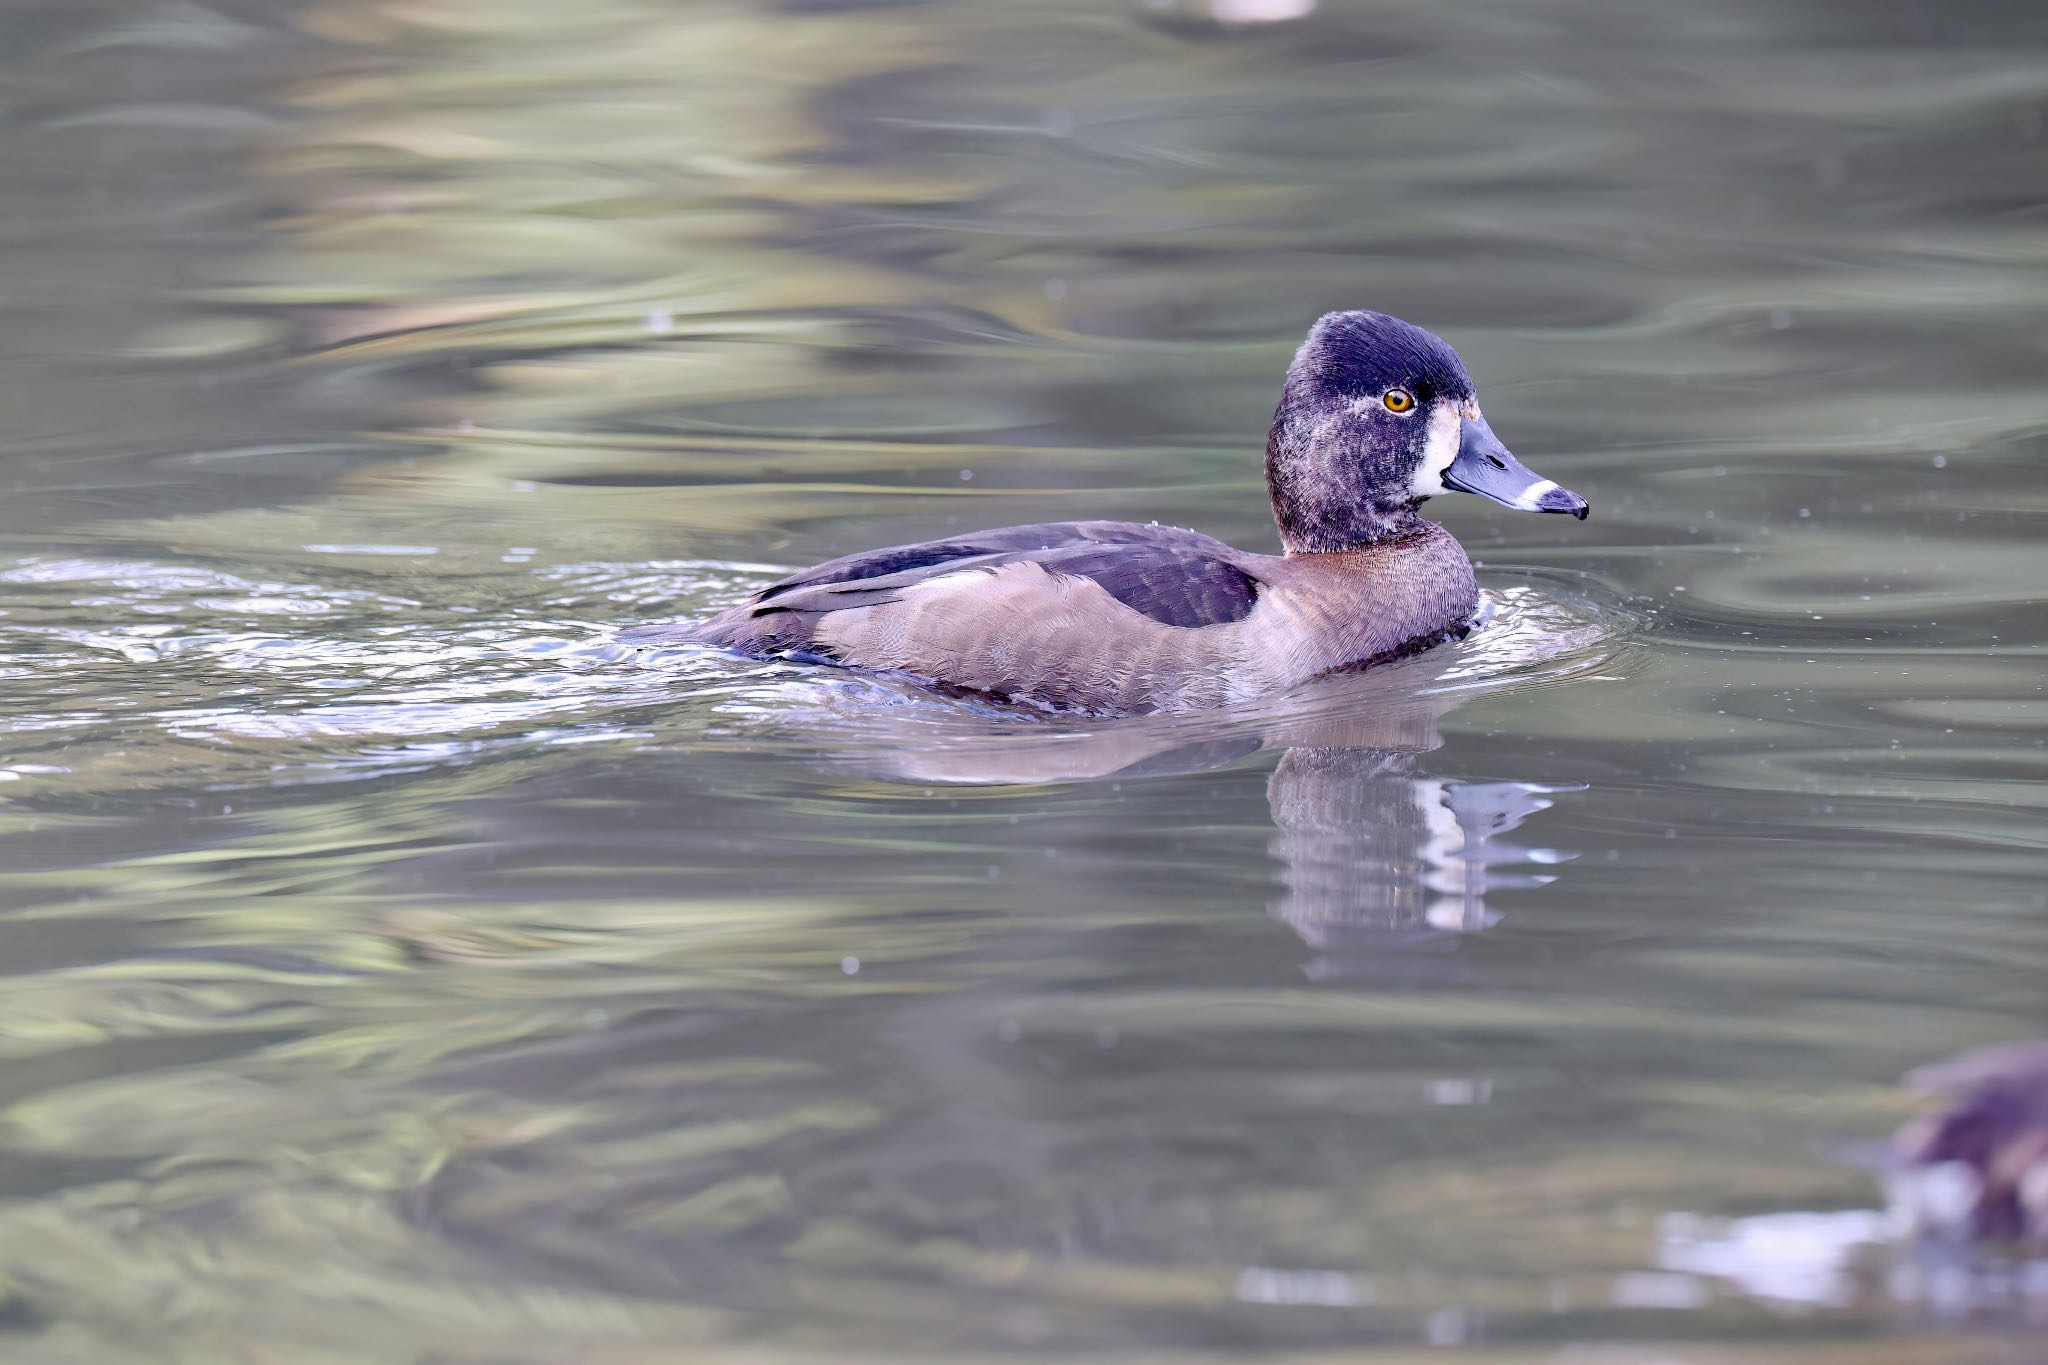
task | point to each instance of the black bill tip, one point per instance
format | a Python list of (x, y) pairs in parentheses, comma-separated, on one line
[(1563, 500)]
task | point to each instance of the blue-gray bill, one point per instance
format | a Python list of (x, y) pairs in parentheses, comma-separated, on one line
[(1486, 467)]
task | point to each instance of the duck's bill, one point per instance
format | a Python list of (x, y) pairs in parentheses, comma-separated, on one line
[(1486, 467)]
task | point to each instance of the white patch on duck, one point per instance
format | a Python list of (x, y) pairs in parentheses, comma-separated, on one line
[(1440, 447)]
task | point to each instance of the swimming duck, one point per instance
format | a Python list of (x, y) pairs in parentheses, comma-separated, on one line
[(1977, 1168), (1113, 618)]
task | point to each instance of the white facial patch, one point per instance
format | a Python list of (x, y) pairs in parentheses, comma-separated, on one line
[(1439, 450)]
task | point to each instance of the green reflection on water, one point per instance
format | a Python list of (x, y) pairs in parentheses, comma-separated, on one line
[(403, 970)]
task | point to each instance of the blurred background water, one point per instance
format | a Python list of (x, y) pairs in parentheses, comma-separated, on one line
[(399, 968)]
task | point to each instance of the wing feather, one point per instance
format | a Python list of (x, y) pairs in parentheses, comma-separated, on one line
[(1175, 577)]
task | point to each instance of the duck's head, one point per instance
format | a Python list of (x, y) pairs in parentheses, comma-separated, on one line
[(1377, 416)]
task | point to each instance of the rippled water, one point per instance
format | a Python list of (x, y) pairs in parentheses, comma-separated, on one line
[(402, 965)]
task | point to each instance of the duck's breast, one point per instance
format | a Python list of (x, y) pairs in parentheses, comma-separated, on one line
[(1326, 612)]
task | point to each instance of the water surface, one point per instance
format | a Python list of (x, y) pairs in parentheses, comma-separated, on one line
[(399, 967)]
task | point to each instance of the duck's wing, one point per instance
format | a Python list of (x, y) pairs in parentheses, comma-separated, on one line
[(1175, 577), (951, 552)]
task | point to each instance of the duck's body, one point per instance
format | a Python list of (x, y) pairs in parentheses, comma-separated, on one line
[(1978, 1167), (1111, 617), (1119, 618)]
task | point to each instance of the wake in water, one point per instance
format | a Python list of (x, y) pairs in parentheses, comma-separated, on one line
[(185, 672)]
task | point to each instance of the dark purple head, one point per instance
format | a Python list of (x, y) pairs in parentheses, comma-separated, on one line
[(1378, 415)]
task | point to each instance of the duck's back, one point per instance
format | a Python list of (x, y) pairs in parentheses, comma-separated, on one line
[(1106, 617)]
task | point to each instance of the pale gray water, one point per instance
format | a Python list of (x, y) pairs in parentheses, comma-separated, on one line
[(400, 969)]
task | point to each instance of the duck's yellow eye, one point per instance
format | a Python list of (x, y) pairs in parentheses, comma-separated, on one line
[(1398, 400)]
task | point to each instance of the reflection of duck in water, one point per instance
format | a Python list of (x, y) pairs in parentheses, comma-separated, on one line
[(1376, 417), (1373, 851)]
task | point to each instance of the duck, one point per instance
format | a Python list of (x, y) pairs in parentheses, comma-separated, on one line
[(1376, 417), (1976, 1167)]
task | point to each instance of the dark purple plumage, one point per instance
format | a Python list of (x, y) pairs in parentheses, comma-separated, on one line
[(1337, 464), (1995, 1126), (1362, 354)]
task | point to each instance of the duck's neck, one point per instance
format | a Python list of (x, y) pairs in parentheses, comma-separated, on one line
[(1320, 514), (1330, 494), (1334, 530)]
